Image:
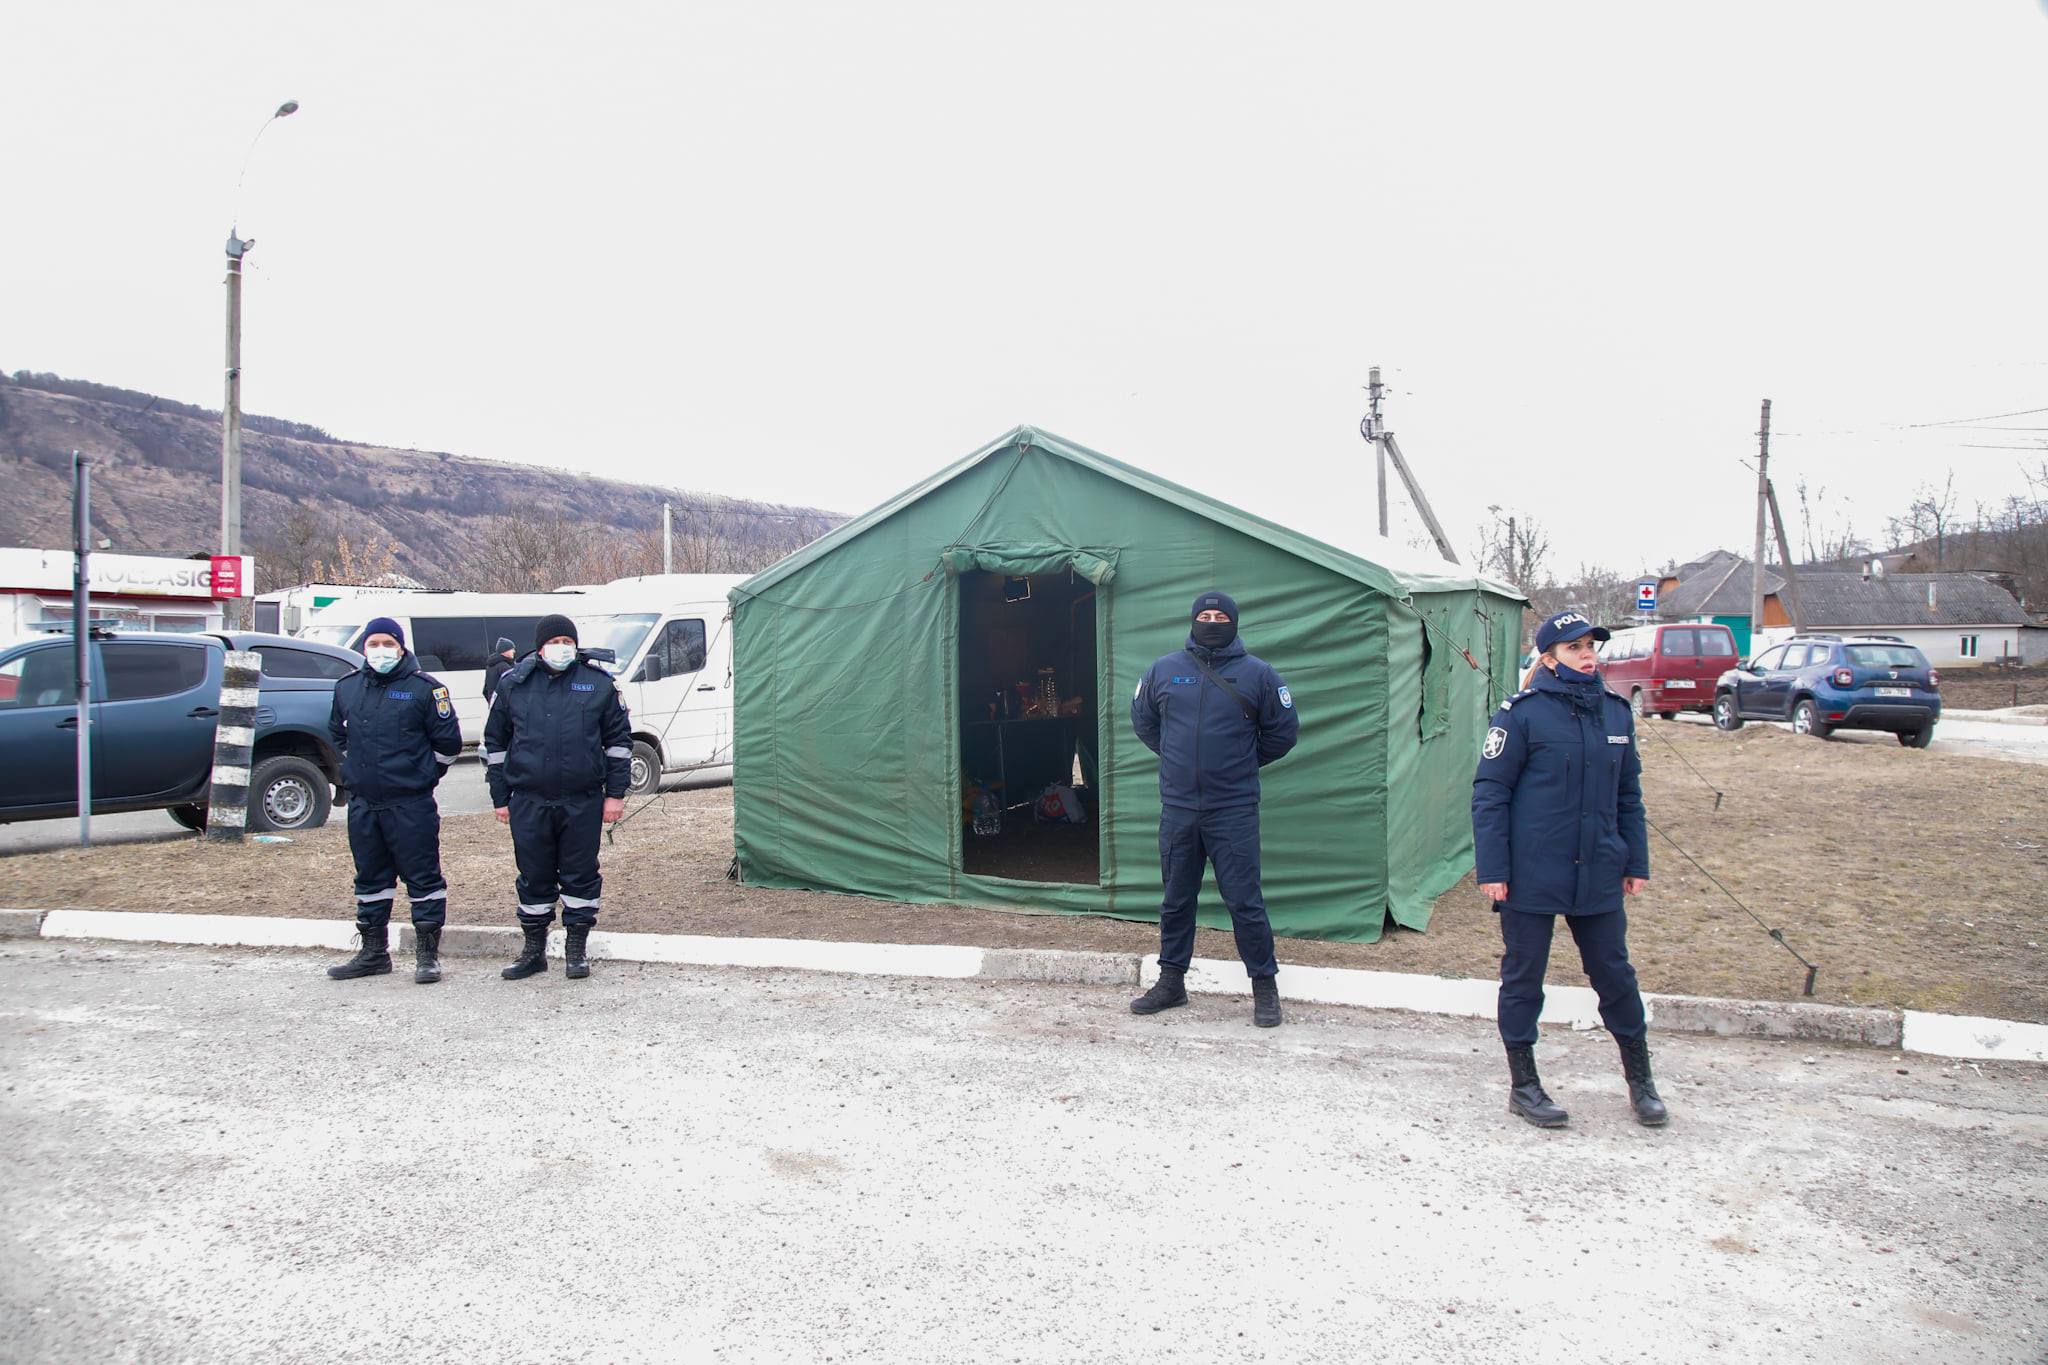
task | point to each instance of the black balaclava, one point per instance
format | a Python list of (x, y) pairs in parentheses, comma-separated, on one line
[(1214, 635)]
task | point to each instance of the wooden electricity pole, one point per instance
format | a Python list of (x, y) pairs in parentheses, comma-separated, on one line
[(1376, 432), (1763, 493)]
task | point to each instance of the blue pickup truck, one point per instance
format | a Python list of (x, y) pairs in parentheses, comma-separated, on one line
[(156, 699)]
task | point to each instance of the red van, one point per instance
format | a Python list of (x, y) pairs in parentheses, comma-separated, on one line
[(1663, 670)]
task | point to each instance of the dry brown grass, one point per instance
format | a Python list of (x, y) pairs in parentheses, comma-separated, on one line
[(1912, 878)]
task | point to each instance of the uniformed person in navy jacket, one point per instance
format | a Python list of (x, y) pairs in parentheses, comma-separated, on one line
[(1558, 829), (556, 750), (395, 729), (1215, 715)]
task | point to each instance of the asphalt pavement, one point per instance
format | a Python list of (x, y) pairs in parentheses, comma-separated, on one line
[(223, 1156)]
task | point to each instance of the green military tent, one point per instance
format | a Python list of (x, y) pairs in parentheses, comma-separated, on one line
[(989, 627)]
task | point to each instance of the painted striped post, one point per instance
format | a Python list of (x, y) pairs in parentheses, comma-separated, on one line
[(227, 806)]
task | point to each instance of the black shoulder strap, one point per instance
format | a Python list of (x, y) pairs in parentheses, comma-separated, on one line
[(1251, 713)]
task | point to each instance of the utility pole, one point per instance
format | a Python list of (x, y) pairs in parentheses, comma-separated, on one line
[(81, 637), (231, 421), (1763, 493), (1798, 609), (1373, 425), (668, 544), (1373, 430)]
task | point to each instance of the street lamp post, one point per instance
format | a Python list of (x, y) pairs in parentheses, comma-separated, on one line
[(231, 403)]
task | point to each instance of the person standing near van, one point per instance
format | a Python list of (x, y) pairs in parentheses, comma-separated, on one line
[(1558, 829), (498, 667), (556, 753), (1215, 715), (395, 729)]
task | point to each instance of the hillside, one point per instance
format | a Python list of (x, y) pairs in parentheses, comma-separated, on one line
[(156, 490)]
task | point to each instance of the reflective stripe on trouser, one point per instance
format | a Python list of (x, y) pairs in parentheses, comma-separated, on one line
[(393, 842), (555, 845), (1603, 951), (1188, 842)]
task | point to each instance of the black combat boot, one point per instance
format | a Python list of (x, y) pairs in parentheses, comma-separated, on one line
[(533, 958), (575, 960), (1168, 991), (1266, 1001), (1527, 1098), (372, 959), (1642, 1091), (426, 953)]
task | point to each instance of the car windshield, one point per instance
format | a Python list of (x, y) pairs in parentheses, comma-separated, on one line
[(329, 635), (1886, 656), (622, 634)]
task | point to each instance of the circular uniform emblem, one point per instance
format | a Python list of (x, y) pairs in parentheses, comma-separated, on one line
[(1496, 740)]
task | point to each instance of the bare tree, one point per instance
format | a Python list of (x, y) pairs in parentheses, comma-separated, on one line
[(1513, 548), (528, 548), (353, 563), (289, 553), (1930, 516)]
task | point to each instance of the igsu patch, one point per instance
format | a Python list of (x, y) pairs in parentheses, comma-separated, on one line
[(583, 687)]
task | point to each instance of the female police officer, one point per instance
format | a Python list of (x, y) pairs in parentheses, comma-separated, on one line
[(1558, 829)]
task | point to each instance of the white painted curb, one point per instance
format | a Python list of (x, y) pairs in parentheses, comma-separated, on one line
[(1962, 1035), (1469, 997), (799, 954), (245, 930)]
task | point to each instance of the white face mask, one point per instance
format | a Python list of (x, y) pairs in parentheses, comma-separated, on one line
[(558, 657), (383, 658)]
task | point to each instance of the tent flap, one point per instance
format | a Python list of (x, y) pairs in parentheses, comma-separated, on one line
[(1098, 565)]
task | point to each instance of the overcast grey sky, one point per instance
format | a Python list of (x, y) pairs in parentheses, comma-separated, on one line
[(813, 252)]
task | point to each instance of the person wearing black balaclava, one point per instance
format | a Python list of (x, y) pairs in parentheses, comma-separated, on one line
[(1215, 715), (1558, 828), (556, 753)]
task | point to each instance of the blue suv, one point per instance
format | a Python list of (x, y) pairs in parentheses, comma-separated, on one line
[(1825, 683), (156, 698)]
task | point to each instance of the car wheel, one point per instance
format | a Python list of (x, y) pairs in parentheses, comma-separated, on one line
[(1635, 704), (191, 817), (1725, 715), (287, 792), (643, 772), (1918, 739), (1806, 720)]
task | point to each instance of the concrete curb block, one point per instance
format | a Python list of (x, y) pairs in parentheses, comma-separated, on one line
[(1774, 1019), (1937, 1035), (1059, 968), (21, 923), (1994, 717)]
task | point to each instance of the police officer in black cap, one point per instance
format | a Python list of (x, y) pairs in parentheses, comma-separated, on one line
[(395, 729), (556, 750), (1215, 715), (498, 667), (1558, 829)]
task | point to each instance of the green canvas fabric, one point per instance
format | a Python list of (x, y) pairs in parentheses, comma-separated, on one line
[(846, 714)]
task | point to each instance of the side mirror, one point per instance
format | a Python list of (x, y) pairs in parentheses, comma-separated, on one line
[(650, 669)]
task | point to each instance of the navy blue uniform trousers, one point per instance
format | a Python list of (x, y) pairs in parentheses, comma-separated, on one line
[(555, 845), (1603, 950), (1189, 841), (390, 841)]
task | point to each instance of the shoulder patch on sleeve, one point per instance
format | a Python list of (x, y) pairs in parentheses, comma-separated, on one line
[(441, 702), (1286, 697), (1496, 740)]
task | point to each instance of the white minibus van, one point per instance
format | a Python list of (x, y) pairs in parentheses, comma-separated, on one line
[(671, 634)]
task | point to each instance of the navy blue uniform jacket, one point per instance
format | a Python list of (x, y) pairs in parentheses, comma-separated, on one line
[(556, 735), (1557, 803), (395, 732), (1209, 753)]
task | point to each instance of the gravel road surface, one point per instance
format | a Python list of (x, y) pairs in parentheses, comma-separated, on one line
[(224, 1157)]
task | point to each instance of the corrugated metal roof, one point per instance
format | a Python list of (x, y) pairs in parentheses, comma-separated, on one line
[(1836, 599)]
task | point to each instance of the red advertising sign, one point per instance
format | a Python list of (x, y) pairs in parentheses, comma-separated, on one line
[(227, 576)]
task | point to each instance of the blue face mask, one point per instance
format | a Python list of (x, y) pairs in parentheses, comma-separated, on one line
[(383, 659)]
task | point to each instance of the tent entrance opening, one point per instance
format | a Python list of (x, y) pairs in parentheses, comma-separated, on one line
[(1028, 728)]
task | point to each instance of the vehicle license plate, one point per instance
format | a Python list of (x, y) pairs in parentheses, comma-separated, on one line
[(1674, 683), (1894, 691)]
